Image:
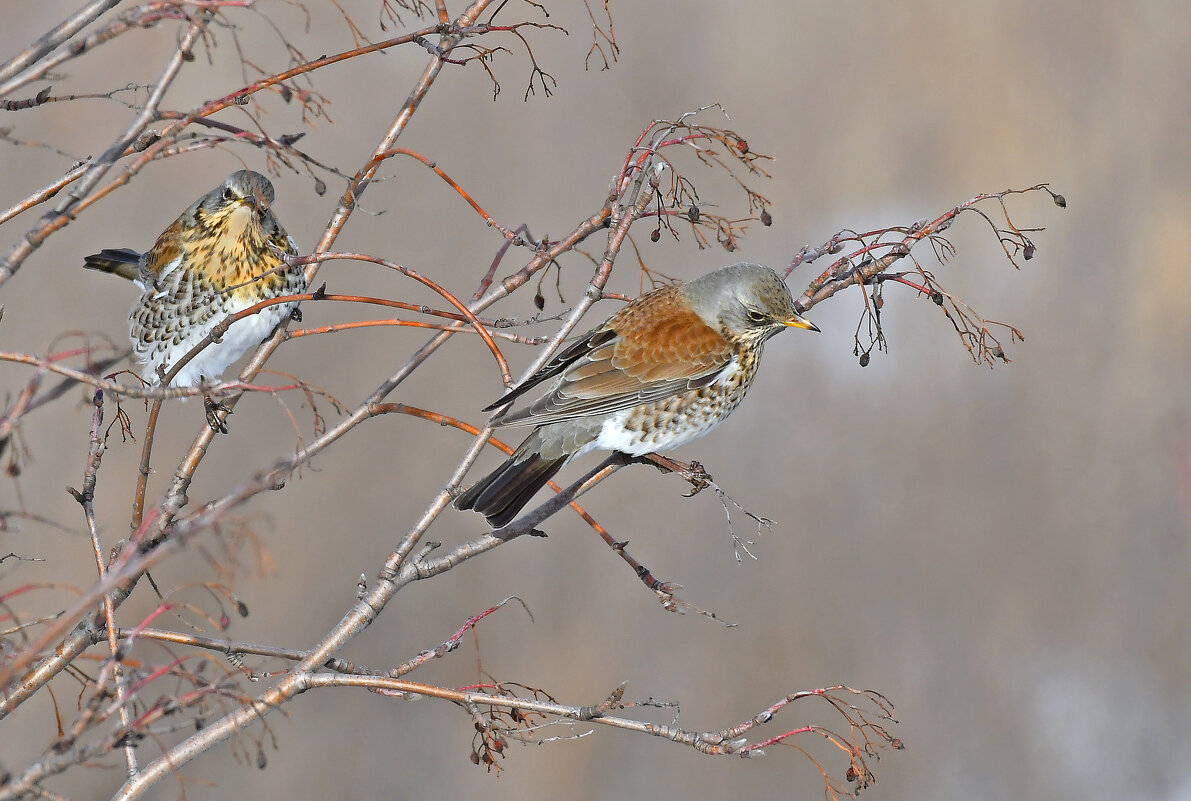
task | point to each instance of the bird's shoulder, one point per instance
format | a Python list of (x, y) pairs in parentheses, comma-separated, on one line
[(660, 336), (164, 254), (655, 347)]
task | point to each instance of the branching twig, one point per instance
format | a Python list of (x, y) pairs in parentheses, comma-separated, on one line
[(122, 701)]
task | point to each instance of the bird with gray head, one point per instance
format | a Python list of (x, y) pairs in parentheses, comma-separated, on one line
[(666, 368)]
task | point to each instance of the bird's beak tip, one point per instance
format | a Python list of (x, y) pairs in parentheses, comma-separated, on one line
[(798, 321)]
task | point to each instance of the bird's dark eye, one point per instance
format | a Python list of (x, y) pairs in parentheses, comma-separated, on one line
[(228, 194), (757, 317)]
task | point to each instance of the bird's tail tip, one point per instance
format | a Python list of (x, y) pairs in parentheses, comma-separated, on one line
[(118, 261), (502, 495)]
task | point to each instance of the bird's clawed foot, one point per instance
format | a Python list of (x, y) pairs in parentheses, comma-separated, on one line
[(213, 408), (692, 471)]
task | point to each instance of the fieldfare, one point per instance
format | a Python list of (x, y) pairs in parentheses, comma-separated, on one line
[(666, 368), (223, 254)]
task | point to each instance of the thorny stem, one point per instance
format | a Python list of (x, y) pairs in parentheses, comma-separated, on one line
[(87, 499), (99, 167), (846, 271), (56, 36), (143, 471)]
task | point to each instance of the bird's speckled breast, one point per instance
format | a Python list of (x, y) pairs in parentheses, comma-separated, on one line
[(670, 422), (224, 264)]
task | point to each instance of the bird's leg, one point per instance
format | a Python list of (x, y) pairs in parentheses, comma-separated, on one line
[(692, 471), (213, 407)]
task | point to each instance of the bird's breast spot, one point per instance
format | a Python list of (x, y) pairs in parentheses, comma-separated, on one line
[(616, 436)]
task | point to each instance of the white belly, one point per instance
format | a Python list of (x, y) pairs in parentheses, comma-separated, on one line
[(210, 362), (671, 422)]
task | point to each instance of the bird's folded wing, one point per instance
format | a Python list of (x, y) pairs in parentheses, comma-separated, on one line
[(645, 361), (561, 361), (165, 255)]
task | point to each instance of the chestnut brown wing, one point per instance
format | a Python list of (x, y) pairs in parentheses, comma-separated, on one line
[(561, 361), (651, 349), (164, 255)]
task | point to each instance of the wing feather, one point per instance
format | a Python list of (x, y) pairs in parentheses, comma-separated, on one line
[(165, 254), (651, 349)]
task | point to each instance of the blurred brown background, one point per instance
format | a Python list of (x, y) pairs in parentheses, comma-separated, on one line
[(1004, 553)]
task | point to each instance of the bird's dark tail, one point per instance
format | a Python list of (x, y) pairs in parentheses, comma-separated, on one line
[(502, 495), (117, 261)]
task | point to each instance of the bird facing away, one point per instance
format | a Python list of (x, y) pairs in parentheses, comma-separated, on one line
[(666, 368), (223, 254)]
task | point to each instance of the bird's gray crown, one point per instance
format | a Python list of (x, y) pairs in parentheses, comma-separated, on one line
[(724, 298), (247, 184)]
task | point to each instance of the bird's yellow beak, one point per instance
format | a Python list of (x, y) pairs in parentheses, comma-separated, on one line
[(256, 203), (798, 321)]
